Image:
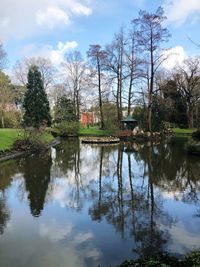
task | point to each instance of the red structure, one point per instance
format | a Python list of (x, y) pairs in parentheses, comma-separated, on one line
[(86, 118)]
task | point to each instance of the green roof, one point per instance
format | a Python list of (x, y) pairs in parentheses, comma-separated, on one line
[(129, 119)]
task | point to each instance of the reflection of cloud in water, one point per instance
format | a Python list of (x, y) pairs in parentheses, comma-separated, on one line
[(92, 253), (53, 231), (66, 187), (80, 247), (183, 239), (83, 237), (172, 195)]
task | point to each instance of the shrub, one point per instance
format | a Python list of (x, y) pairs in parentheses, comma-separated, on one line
[(32, 140), (167, 125), (68, 128)]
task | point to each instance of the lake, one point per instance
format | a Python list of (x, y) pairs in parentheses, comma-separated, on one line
[(87, 205)]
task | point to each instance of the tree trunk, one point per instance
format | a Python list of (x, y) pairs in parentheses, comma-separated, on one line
[(129, 95), (2, 119), (100, 97), (77, 104), (151, 88), (190, 117)]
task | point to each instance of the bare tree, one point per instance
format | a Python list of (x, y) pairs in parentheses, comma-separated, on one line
[(116, 66), (132, 63), (3, 57), (97, 57), (150, 34), (45, 67), (187, 78), (75, 69)]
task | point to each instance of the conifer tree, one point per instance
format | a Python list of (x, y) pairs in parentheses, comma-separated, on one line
[(36, 104)]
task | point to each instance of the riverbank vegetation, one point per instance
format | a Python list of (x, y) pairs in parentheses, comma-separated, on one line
[(190, 260), (187, 131), (8, 138)]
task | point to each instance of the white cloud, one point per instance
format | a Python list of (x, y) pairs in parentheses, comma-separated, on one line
[(52, 17), (178, 11), (176, 56), (80, 9), (56, 55), (28, 18)]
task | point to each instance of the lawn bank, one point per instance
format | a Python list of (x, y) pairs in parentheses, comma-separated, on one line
[(10, 137)]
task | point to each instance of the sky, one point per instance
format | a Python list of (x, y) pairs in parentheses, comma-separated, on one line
[(50, 28)]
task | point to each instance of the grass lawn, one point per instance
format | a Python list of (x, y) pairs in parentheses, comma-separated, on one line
[(9, 136), (95, 131), (183, 131)]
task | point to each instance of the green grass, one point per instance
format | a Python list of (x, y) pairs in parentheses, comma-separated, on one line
[(9, 136), (183, 131), (94, 131)]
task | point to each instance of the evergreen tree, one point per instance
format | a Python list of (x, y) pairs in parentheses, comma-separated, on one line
[(36, 105), (64, 110)]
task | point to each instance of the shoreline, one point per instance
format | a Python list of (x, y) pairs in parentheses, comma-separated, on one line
[(11, 154)]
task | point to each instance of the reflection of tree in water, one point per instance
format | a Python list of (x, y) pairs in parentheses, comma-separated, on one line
[(67, 166), (75, 168), (132, 209), (67, 154), (37, 178), (174, 171), (7, 170), (4, 212)]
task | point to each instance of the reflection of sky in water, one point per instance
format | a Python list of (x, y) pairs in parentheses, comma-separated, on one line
[(87, 221)]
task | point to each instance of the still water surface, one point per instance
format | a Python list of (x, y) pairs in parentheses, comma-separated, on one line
[(84, 205)]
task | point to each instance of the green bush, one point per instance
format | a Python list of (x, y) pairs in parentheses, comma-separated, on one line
[(68, 128), (167, 125), (190, 260)]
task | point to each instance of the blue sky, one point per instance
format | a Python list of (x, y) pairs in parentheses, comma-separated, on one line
[(50, 28)]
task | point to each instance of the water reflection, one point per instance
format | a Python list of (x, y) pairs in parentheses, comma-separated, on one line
[(143, 198), (4, 212), (37, 178)]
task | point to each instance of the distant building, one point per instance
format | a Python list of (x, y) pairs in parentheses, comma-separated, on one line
[(89, 118), (86, 118)]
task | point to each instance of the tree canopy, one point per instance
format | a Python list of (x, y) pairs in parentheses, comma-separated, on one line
[(36, 104)]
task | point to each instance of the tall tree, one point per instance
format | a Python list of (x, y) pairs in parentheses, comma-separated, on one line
[(97, 57), (6, 95), (75, 69), (36, 105), (3, 57), (150, 35), (116, 66), (44, 65), (187, 78), (132, 65)]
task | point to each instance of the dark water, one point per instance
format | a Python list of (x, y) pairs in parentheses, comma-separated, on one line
[(84, 205)]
